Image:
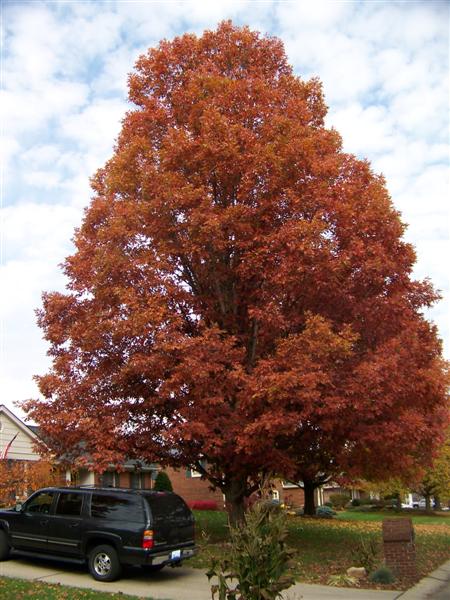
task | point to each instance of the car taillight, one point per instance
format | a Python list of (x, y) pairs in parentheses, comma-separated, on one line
[(147, 540)]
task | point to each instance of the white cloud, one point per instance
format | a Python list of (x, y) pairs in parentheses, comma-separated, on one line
[(96, 126), (385, 72), (321, 14), (364, 130)]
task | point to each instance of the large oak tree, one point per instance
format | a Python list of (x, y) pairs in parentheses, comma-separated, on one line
[(241, 292)]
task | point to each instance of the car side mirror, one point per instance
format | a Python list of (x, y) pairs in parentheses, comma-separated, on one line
[(18, 507)]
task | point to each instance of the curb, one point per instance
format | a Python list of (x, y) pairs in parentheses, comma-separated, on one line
[(431, 585)]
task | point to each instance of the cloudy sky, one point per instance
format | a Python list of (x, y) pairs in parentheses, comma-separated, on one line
[(384, 66)]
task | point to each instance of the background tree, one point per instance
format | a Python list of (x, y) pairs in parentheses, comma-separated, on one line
[(436, 480), (391, 488), (20, 478), (238, 280)]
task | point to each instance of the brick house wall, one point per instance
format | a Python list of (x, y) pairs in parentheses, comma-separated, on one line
[(292, 496), (193, 488), (124, 479)]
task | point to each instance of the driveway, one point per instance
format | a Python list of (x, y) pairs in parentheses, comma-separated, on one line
[(181, 583)]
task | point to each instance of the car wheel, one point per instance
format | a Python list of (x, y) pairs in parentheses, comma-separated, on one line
[(4, 546), (104, 563)]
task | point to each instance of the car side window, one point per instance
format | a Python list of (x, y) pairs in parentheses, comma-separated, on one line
[(117, 508), (40, 503), (69, 504)]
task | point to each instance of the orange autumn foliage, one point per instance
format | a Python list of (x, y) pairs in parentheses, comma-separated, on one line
[(20, 477), (240, 287)]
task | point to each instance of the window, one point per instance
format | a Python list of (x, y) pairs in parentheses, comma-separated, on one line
[(109, 479), (136, 480), (164, 506), (289, 484), (69, 504), (118, 508), (193, 472), (40, 503)]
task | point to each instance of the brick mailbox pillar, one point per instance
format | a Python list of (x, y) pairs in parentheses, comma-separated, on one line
[(399, 547)]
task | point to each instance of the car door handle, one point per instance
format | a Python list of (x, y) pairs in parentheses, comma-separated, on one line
[(74, 524), (43, 522)]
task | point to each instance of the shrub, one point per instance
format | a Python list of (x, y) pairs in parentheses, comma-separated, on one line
[(163, 483), (356, 502), (328, 504), (339, 500), (203, 505), (342, 580), (382, 575), (258, 559), (367, 501), (365, 508), (365, 553), (325, 512)]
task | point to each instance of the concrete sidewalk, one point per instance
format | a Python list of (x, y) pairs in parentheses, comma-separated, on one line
[(185, 583), (435, 586)]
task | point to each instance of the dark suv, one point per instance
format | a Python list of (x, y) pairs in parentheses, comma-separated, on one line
[(108, 527)]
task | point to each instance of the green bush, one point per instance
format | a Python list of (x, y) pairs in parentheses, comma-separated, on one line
[(356, 502), (325, 512), (328, 504), (163, 483), (339, 500), (382, 575), (367, 501), (258, 558), (365, 508)]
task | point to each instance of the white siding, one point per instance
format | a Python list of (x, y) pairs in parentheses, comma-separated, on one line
[(22, 447)]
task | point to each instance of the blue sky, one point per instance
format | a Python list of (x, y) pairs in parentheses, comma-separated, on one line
[(385, 71)]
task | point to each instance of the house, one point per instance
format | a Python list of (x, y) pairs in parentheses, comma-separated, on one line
[(17, 445), (16, 438), (17, 441)]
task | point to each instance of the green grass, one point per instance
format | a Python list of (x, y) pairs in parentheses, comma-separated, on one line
[(442, 518), (20, 589), (326, 547)]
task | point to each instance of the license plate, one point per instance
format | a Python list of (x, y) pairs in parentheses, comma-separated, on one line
[(175, 554)]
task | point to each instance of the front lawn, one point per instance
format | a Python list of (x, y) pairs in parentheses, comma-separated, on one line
[(418, 517), (325, 546), (20, 589)]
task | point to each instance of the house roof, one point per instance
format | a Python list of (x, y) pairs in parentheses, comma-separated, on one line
[(30, 430)]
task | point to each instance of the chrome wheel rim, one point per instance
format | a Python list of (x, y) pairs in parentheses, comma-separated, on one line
[(102, 564)]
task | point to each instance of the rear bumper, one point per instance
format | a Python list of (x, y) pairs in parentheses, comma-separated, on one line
[(139, 556)]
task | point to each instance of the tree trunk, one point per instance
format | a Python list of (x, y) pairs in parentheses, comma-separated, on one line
[(437, 503), (310, 506), (428, 502), (234, 500)]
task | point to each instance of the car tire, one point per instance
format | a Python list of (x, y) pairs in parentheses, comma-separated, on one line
[(4, 546), (104, 563)]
